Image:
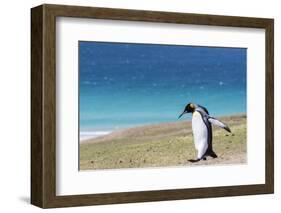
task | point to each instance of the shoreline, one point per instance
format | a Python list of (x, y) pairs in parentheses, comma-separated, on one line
[(89, 135), (99, 136)]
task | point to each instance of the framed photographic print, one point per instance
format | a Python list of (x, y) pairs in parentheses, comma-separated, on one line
[(136, 106)]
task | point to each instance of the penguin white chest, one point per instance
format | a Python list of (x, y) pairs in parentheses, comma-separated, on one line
[(200, 132)]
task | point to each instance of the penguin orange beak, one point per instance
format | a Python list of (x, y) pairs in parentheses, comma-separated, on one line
[(181, 114)]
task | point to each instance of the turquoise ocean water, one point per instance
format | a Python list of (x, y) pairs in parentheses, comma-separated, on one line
[(123, 85)]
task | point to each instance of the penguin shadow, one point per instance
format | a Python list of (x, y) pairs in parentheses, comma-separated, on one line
[(196, 160), (211, 154)]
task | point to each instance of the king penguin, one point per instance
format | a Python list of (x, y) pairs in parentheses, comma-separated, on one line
[(202, 130)]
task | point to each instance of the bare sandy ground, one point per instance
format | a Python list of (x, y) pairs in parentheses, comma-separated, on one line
[(165, 144)]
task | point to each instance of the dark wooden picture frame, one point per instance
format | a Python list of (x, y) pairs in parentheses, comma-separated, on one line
[(43, 105)]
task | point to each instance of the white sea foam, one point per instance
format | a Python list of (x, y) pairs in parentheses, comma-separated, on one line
[(89, 135)]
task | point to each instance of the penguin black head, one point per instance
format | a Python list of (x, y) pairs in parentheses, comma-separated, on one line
[(188, 108)]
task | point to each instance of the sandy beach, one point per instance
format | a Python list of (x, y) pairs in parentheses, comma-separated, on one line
[(160, 145)]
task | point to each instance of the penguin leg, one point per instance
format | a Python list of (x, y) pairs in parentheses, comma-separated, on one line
[(201, 154)]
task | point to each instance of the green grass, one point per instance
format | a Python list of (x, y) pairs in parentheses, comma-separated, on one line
[(163, 145)]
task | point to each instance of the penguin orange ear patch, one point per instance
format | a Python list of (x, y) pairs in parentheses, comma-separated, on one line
[(192, 106)]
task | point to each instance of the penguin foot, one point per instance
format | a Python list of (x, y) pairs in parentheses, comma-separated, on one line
[(193, 161), (204, 158)]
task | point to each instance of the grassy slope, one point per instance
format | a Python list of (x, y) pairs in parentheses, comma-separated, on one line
[(169, 144)]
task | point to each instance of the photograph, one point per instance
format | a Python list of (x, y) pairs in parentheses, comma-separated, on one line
[(161, 105)]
